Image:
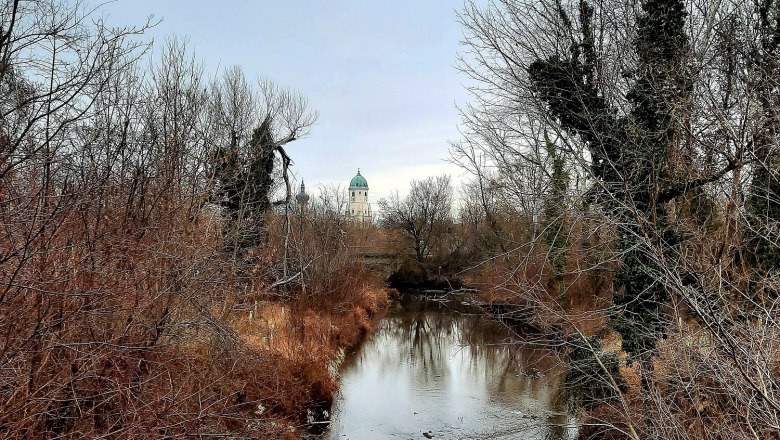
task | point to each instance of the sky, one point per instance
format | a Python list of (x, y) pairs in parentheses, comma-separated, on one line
[(380, 73)]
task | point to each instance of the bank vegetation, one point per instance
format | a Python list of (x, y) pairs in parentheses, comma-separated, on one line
[(156, 277), (625, 197)]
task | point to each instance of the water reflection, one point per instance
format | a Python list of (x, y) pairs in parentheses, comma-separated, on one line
[(429, 369)]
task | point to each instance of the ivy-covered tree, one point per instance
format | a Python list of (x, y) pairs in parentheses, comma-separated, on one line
[(629, 154), (244, 186), (660, 86), (764, 197), (244, 167), (555, 217)]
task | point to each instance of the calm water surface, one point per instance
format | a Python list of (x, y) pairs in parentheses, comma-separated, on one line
[(430, 369)]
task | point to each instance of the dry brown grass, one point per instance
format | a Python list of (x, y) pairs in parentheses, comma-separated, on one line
[(302, 338)]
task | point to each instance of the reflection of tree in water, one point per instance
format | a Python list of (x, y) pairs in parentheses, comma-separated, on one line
[(435, 344), (421, 337)]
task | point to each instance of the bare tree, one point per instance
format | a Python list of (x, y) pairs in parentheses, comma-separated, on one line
[(422, 216)]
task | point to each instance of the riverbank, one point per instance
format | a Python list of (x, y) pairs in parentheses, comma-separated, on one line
[(303, 341)]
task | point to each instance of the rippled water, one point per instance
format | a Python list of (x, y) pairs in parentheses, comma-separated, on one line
[(429, 371)]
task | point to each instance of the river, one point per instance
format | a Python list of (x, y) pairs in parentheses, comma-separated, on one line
[(432, 369)]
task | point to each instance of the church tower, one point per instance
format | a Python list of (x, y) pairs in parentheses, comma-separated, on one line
[(359, 210)]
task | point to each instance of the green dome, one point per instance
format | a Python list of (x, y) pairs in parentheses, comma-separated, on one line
[(358, 181)]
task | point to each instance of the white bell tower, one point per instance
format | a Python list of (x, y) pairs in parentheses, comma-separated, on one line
[(358, 210)]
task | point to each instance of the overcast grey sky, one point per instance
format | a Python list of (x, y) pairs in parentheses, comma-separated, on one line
[(380, 73)]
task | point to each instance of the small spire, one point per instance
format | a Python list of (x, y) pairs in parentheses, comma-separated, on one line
[(302, 197), (358, 171)]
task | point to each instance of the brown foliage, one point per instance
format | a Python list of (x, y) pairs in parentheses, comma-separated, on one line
[(121, 314)]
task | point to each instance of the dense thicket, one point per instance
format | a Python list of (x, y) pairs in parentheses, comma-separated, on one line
[(663, 116), (142, 265)]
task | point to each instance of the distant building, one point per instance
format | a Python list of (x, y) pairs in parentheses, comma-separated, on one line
[(359, 210)]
